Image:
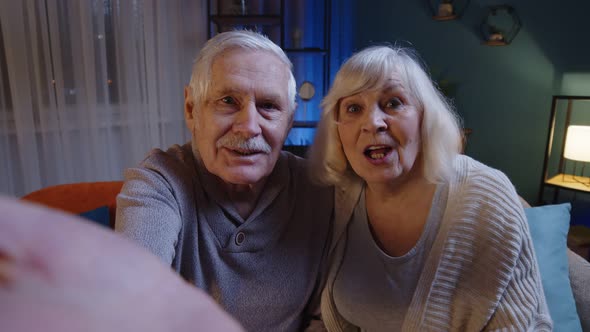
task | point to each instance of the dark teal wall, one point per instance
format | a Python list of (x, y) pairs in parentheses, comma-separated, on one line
[(502, 93)]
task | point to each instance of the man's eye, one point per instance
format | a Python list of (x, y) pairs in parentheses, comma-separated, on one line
[(228, 100), (393, 103), (269, 106)]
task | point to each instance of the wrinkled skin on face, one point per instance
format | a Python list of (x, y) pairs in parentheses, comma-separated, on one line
[(380, 133), (240, 128), (61, 273)]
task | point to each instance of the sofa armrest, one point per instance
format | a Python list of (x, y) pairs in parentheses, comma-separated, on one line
[(579, 270)]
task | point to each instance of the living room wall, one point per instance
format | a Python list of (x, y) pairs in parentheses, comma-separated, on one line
[(502, 93)]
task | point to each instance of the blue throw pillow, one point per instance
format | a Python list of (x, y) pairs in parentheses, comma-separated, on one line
[(549, 225), (99, 215)]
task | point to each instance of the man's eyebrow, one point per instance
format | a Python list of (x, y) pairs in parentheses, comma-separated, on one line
[(269, 97), (226, 91), (261, 97)]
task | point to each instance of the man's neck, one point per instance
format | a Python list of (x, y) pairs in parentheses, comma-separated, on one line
[(244, 196)]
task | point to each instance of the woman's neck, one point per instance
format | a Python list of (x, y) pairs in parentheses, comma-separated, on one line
[(397, 214)]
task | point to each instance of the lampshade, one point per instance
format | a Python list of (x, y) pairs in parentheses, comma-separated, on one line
[(577, 143)]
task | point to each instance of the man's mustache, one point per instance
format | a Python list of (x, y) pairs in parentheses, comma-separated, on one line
[(236, 142)]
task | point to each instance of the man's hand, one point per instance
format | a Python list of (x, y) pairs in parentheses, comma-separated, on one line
[(60, 273)]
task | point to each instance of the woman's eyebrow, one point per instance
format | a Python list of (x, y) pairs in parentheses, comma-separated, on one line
[(393, 83)]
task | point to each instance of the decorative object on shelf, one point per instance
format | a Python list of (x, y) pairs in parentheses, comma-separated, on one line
[(233, 7), (297, 37), (306, 92), (256, 15), (577, 148), (446, 10), (568, 143), (500, 25)]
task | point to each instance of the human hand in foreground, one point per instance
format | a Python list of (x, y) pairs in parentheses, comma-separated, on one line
[(59, 273)]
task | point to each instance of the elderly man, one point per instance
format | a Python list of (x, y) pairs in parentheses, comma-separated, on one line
[(230, 212)]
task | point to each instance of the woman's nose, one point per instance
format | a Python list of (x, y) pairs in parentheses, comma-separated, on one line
[(374, 120)]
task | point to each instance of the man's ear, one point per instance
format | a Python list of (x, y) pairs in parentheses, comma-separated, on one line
[(189, 105)]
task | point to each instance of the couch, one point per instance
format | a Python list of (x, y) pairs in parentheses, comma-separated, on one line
[(80, 197)]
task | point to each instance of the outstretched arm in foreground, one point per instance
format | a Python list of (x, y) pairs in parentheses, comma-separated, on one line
[(60, 273)]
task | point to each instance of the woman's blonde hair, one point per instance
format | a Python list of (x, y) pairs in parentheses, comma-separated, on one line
[(369, 69)]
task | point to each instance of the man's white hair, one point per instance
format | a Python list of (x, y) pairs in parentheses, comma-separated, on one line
[(237, 39)]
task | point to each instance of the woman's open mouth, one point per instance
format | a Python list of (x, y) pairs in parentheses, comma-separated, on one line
[(377, 152)]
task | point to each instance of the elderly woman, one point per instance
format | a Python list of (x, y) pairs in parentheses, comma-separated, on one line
[(424, 238)]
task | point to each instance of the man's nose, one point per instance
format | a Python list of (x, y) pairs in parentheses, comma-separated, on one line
[(247, 121), (374, 120)]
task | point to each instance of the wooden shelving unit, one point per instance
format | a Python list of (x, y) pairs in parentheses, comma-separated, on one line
[(274, 19), (568, 181)]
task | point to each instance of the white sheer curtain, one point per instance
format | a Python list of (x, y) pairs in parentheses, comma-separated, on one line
[(88, 87)]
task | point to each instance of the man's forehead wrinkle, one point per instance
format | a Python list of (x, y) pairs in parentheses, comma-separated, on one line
[(260, 89), (264, 93)]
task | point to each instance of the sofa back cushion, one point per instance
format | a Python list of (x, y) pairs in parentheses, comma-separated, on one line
[(79, 197), (549, 226)]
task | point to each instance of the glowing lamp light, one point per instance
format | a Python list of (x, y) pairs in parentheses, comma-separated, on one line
[(577, 143)]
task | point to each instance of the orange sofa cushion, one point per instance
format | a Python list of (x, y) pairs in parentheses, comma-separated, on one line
[(79, 197)]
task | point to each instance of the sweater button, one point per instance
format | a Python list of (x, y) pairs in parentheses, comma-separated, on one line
[(240, 237)]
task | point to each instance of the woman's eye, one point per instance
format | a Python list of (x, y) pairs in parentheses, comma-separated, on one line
[(353, 108), (228, 100), (393, 103)]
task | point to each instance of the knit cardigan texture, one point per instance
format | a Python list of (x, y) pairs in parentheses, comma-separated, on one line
[(481, 273)]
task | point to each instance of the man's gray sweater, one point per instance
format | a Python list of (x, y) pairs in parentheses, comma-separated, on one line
[(264, 270)]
